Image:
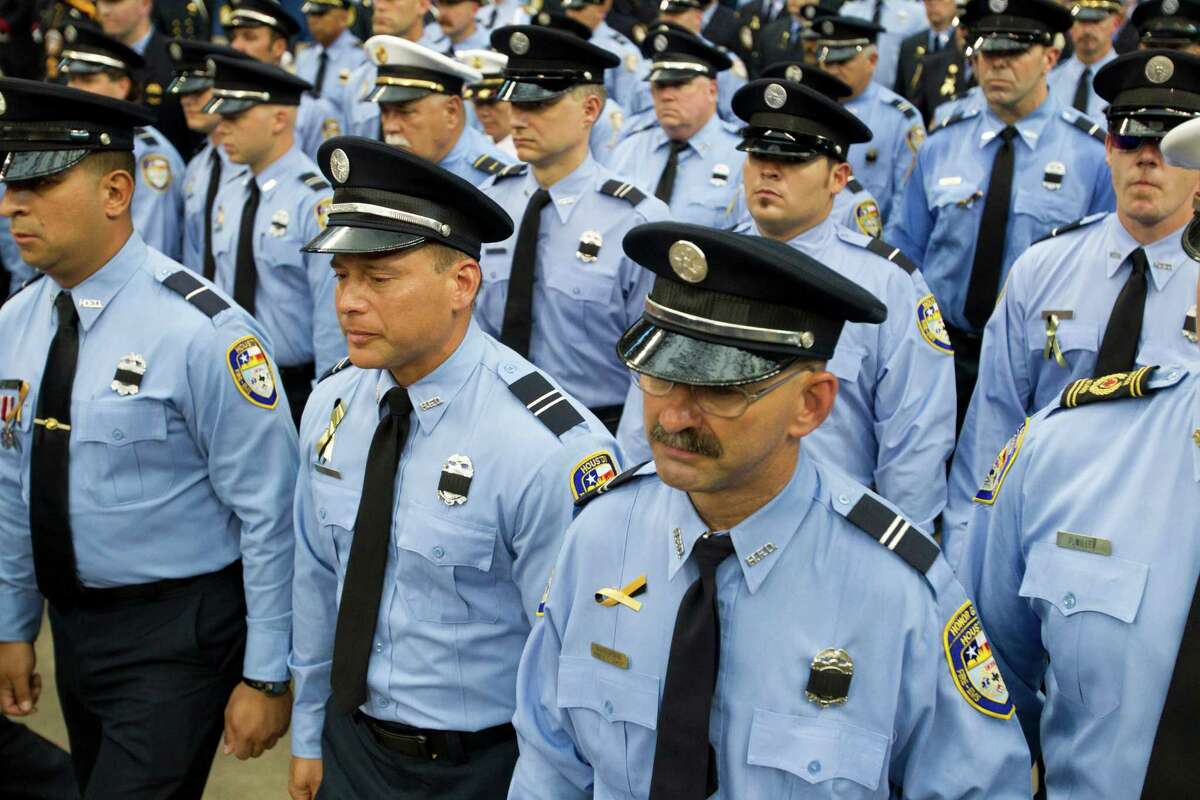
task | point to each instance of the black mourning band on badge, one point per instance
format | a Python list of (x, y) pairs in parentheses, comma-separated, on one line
[(828, 685), (453, 483)]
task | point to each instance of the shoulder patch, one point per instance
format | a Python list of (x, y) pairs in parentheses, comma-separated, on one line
[(932, 326), (546, 403), (313, 181), (894, 532), (903, 106), (486, 163), (955, 118), (1085, 124), (623, 478), (1004, 460), (335, 369), (853, 185), (892, 254), (1073, 226), (623, 191), (866, 218), (1118, 386), (510, 171), (251, 371), (156, 172), (195, 292), (590, 474), (972, 665)]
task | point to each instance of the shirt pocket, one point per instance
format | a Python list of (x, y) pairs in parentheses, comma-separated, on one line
[(445, 569), (1079, 342), (1087, 604), (124, 451), (496, 266), (336, 510), (615, 713), (1048, 208), (823, 758), (955, 216)]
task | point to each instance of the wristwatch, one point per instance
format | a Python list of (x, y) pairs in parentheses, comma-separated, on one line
[(269, 688)]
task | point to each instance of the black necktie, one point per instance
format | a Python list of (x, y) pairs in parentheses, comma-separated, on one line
[(989, 244), (245, 279), (666, 181), (49, 490), (1174, 769), (935, 42), (322, 64), (363, 587), (878, 12), (685, 764), (1081, 90), (1118, 348), (214, 183), (518, 307)]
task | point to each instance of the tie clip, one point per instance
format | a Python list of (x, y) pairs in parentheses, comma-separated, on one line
[(51, 424), (611, 596)]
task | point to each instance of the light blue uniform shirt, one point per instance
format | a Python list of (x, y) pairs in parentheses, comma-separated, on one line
[(853, 207), (475, 157), (317, 119), (182, 478), (195, 193), (587, 728), (1065, 77), (937, 218), (582, 303), (625, 82), (900, 19), (10, 254), (971, 98), (157, 205), (478, 39), (1098, 632), (892, 425), (463, 581), (708, 178), (1077, 274), (345, 55), (609, 129), (294, 299), (884, 164)]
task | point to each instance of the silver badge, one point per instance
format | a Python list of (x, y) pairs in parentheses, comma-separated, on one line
[(677, 538), (998, 6), (589, 246), (829, 680), (3, 104), (807, 340), (688, 261), (455, 465), (70, 34), (1159, 69), (279, 223), (1170, 7), (518, 43), (1189, 325), (775, 95), (794, 73), (720, 175), (827, 27), (660, 43), (130, 370), (176, 51), (1052, 178), (339, 165)]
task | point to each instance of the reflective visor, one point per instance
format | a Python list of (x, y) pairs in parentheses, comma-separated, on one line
[(786, 146), (354, 239), (189, 83), (393, 95), (27, 165), (658, 351), (524, 92)]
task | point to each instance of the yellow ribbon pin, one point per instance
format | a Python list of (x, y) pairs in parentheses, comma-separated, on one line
[(325, 442), (608, 596)]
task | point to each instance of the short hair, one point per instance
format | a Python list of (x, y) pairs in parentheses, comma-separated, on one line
[(443, 256), (582, 91), (102, 162)]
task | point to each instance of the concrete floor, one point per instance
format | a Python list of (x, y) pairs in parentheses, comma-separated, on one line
[(263, 778)]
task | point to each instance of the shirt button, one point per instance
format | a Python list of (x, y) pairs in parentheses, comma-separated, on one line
[(575, 290), (509, 368), (438, 552), (608, 708), (378, 647), (1068, 600), (844, 500), (118, 435), (814, 767), (323, 513), (384, 703)]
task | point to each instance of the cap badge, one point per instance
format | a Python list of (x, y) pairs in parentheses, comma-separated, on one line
[(456, 480), (518, 43), (660, 43), (128, 377), (476, 62), (1159, 69), (589, 246), (339, 165), (688, 261), (1170, 7), (775, 95), (176, 51), (381, 54), (70, 34), (3, 104), (829, 677), (807, 340), (794, 73), (998, 6), (827, 27), (810, 12)]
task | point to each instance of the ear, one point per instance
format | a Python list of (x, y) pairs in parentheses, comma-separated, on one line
[(453, 109), (814, 403), (1108, 150), (466, 278), (116, 190), (839, 176), (593, 106), (1051, 57), (278, 48)]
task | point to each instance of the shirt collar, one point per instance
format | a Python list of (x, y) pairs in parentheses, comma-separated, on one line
[(701, 140), (140, 45), (93, 295), (758, 539), (567, 193), (432, 394), (285, 165), (459, 151), (815, 237), (345, 41), (1165, 255), (1030, 128)]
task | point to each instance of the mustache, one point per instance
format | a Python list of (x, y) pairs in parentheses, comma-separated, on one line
[(689, 439)]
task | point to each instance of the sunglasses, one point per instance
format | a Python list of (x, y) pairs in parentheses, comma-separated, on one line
[(1131, 144)]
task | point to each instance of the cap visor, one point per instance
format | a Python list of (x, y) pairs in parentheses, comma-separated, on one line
[(353, 239), (520, 92), (836, 55), (315, 8), (675, 75), (650, 348), (30, 164), (71, 66), (1090, 14), (189, 84), (1002, 43), (396, 94), (228, 106)]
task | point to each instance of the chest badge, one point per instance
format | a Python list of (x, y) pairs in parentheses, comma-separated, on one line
[(720, 175), (128, 378), (829, 677), (279, 223), (589, 246), (12, 398), (1189, 325), (456, 480), (1052, 178)]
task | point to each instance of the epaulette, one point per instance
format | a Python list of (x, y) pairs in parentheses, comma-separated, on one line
[(314, 181), (954, 119), (892, 254), (488, 164), (623, 191), (514, 169), (195, 292), (1084, 124), (621, 478), (894, 532), (651, 125), (1073, 226), (903, 106), (37, 276), (146, 137), (335, 369), (546, 403), (853, 185), (1118, 386)]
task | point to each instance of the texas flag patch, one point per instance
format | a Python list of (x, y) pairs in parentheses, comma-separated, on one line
[(593, 472)]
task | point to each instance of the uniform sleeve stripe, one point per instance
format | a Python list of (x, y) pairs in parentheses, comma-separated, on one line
[(191, 289), (891, 530)]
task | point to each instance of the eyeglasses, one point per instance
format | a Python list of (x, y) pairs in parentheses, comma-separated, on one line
[(1131, 144), (727, 402)]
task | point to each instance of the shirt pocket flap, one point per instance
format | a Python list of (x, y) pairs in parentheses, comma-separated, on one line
[(1074, 581), (617, 695), (1072, 334), (954, 194), (334, 505), (447, 543), (817, 750), (122, 422)]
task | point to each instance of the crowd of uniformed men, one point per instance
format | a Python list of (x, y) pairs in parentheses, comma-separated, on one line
[(894, 302)]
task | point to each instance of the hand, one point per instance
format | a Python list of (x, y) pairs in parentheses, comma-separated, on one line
[(304, 778), (254, 722), (20, 686)]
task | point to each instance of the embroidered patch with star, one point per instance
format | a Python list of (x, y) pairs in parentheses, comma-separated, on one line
[(931, 325), (252, 373), (156, 171), (972, 665), (592, 472), (1000, 467), (866, 217)]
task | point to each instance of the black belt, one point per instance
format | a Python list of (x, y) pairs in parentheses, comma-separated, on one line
[(92, 598), (432, 745), (300, 372)]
